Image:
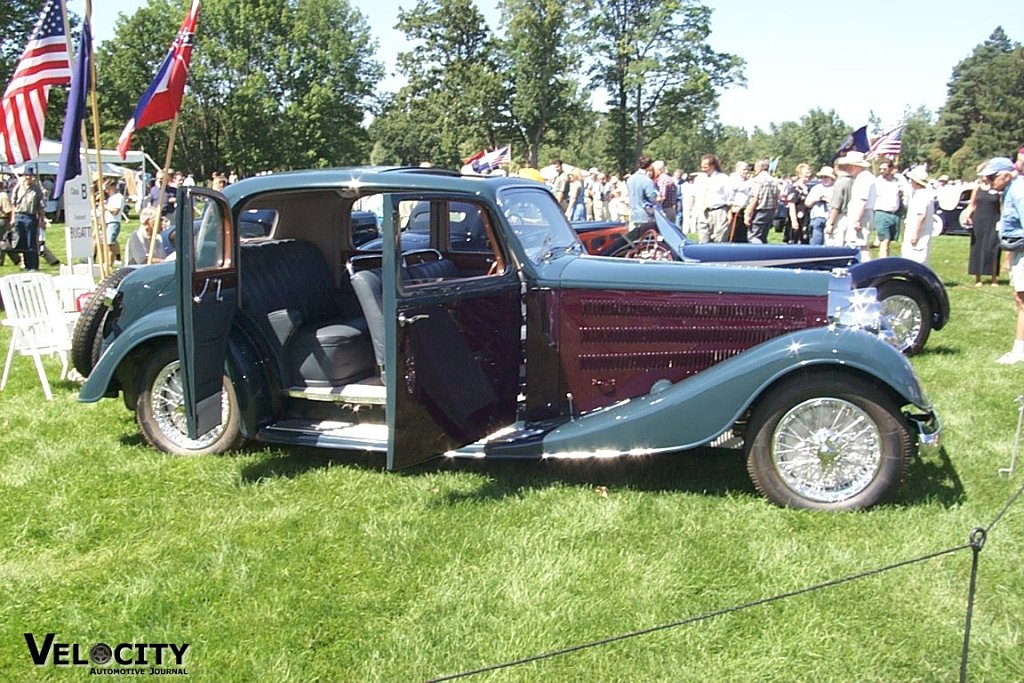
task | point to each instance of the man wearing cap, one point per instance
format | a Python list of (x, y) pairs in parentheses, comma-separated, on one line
[(818, 200), (889, 198), (667, 190), (1003, 177), (29, 202), (920, 215)]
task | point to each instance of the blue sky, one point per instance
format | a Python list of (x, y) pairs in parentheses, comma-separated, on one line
[(882, 56)]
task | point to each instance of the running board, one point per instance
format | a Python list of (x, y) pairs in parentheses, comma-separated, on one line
[(360, 436), (364, 394)]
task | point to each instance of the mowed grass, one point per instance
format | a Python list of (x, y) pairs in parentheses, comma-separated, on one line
[(303, 565)]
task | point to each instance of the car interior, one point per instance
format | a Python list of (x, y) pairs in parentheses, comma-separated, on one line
[(313, 296)]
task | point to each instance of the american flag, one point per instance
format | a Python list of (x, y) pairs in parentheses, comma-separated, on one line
[(491, 160), (888, 145), (44, 63)]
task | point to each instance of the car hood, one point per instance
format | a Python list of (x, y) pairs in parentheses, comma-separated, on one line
[(770, 255)]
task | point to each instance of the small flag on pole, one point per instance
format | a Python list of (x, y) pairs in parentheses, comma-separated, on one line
[(857, 141), (888, 145), (491, 160), (44, 62), (162, 99), (71, 141)]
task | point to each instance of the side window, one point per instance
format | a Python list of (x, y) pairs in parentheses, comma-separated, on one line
[(213, 239), (468, 228)]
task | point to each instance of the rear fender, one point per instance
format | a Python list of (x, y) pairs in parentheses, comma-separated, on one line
[(695, 411)]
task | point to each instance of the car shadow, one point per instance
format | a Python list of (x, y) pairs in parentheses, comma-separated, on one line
[(934, 481), (705, 471)]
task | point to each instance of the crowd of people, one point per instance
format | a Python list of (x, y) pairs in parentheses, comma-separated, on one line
[(25, 201), (844, 204)]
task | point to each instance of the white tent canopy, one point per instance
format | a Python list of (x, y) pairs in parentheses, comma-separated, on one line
[(49, 150)]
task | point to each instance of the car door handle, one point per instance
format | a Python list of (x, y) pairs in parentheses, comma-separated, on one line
[(403, 321)]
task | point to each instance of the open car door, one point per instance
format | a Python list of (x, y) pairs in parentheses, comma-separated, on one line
[(207, 278), (453, 328)]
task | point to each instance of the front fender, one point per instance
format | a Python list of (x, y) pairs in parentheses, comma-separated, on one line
[(161, 322), (695, 411), (875, 272)]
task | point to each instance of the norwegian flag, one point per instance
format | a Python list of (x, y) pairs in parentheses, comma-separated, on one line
[(44, 63), (162, 99), (888, 145), (491, 160)]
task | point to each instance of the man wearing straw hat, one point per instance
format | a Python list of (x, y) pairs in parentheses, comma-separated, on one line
[(28, 199), (917, 241)]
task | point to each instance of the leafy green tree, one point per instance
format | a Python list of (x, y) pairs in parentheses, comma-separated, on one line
[(540, 55), (273, 84), (453, 102), (981, 117), (660, 72)]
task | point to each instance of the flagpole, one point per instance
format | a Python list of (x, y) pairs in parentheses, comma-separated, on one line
[(101, 235), (83, 150), (163, 187)]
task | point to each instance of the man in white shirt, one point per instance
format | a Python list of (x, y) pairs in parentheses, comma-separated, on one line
[(712, 194), (860, 210), (889, 197), (740, 180), (113, 214)]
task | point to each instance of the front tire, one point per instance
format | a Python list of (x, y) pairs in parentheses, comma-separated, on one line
[(907, 311), (828, 442), (160, 410)]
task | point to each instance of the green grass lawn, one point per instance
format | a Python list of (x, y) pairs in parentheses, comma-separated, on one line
[(301, 565)]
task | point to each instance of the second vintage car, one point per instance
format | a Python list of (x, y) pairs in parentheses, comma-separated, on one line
[(514, 345)]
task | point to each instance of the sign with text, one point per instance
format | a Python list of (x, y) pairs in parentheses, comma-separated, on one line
[(77, 219)]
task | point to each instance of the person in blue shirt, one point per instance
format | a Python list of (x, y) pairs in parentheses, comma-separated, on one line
[(642, 194), (1003, 177)]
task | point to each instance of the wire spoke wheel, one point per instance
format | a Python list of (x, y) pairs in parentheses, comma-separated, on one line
[(168, 405), (160, 410), (827, 449)]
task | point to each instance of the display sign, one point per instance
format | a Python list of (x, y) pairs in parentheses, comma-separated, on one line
[(77, 219)]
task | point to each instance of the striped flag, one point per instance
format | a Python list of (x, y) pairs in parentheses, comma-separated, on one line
[(44, 62), (491, 160), (888, 145), (162, 99)]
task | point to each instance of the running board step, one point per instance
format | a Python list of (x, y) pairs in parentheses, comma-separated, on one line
[(327, 434), (364, 394)]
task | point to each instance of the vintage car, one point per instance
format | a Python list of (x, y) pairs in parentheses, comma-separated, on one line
[(519, 345), (914, 300)]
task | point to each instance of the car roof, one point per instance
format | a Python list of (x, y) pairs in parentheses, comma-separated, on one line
[(365, 179)]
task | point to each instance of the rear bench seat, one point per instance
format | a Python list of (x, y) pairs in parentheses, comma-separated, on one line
[(316, 330)]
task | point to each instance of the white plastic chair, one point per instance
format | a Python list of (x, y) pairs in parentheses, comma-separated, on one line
[(39, 326)]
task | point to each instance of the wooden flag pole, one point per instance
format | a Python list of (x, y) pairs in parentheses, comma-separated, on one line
[(101, 235), (163, 188), (83, 151)]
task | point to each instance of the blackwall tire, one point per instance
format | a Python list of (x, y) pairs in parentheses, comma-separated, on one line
[(908, 313), (161, 416), (828, 441), (87, 337)]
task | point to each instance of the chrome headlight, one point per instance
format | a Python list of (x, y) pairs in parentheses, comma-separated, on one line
[(859, 309)]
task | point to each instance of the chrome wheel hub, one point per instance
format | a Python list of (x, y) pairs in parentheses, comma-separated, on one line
[(827, 449)]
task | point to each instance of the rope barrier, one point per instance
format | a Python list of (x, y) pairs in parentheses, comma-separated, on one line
[(700, 617)]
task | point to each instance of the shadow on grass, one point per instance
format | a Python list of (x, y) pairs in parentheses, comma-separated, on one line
[(705, 471), (931, 480)]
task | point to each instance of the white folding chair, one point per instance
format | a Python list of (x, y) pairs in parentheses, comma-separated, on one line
[(38, 324)]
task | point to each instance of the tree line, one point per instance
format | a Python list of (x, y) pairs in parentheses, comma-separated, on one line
[(282, 84)]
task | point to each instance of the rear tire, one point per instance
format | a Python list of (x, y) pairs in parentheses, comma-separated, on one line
[(828, 442), (87, 337), (160, 410), (907, 311)]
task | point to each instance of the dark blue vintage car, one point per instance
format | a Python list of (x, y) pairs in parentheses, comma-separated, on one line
[(514, 344), (914, 300)]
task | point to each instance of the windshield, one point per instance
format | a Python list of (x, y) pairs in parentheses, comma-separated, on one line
[(538, 224)]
